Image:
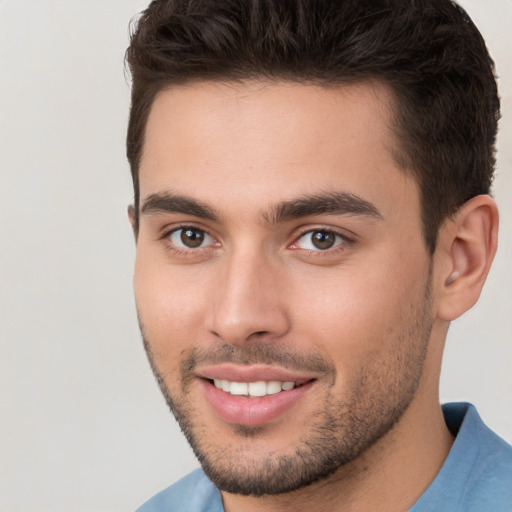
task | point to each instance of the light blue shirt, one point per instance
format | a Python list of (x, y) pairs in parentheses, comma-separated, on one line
[(476, 476)]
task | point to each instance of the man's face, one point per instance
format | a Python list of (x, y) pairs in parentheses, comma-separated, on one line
[(282, 281)]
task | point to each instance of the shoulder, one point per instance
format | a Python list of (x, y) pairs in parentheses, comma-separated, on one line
[(477, 475), (489, 483), (194, 493), (475, 442)]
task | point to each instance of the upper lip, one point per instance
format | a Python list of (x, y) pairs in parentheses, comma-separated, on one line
[(253, 373)]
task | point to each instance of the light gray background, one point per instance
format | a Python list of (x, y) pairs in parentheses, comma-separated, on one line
[(82, 425)]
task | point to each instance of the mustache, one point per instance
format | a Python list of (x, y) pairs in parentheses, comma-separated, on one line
[(257, 353), (250, 354)]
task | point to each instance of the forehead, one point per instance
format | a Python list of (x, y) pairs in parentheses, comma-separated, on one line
[(219, 141)]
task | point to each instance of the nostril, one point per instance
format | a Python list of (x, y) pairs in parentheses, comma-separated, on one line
[(259, 334)]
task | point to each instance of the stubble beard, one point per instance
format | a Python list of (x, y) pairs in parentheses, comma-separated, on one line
[(340, 431)]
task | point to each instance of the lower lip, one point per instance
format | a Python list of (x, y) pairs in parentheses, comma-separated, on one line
[(252, 411)]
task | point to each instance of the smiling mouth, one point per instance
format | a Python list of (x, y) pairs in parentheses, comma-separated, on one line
[(254, 389), (249, 399)]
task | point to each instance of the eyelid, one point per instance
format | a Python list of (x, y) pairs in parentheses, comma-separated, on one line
[(326, 229), (175, 238), (169, 228), (167, 232)]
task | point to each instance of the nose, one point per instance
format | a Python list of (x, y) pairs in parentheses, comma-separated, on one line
[(249, 301)]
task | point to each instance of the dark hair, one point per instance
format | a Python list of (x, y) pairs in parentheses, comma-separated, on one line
[(428, 51)]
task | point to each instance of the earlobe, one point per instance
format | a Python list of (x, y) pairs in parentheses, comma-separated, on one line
[(467, 245)]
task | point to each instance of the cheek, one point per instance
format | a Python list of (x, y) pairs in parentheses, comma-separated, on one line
[(170, 306), (356, 316)]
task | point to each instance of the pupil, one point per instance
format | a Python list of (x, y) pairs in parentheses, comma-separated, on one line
[(323, 240), (192, 237)]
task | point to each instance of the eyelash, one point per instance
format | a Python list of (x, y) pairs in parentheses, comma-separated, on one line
[(343, 240), (182, 251)]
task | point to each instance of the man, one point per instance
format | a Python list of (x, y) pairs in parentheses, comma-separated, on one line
[(311, 211)]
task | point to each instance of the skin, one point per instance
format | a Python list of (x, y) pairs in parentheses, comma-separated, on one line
[(374, 309)]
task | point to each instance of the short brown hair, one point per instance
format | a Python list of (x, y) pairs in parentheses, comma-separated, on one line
[(428, 51)]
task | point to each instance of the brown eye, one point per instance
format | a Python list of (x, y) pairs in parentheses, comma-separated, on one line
[(319, 240), (190, 238), (323, 239)]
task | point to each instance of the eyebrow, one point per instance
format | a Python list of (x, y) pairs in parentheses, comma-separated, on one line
[(173, 203), (331, 203)]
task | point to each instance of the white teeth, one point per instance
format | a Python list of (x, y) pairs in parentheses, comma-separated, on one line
[(287, 386), (259, 388), (273, 387), (239, 388)]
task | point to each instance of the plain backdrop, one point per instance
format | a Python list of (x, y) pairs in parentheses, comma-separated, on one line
[(83, 427)]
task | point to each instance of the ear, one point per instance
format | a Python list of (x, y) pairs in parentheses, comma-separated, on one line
[(133, 221), (466, 247)]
